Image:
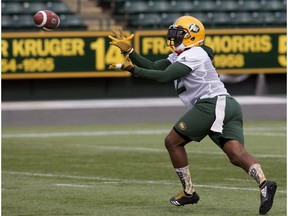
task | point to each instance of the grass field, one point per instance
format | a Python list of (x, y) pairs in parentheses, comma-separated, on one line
[(113, 170)]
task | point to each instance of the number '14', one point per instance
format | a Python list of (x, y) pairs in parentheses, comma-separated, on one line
[(103, 58)]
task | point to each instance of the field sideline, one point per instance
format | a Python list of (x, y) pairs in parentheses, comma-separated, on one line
[(113, 169)]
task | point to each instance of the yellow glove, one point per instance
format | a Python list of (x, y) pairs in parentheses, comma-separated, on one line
[(127, 65), (122, 42)]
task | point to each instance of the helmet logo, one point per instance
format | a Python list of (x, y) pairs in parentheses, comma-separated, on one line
[(194, 28)]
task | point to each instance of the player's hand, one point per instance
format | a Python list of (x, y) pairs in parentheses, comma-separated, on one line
[(127, 65), (122, 42)]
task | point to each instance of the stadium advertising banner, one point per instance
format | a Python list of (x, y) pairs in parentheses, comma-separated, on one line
[(59, 55), (237, 51), (88, 54)]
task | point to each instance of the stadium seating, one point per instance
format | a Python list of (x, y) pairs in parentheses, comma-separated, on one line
[(182, 6), (17, 15), (227, 6), (133, 7), (249, 5), (154, 13), (7, 22), (274, 5), (12, 8), (160, 6), (219, 18), (70, 21), (58, 7), (213, 13), (151, 20), (204, 5)]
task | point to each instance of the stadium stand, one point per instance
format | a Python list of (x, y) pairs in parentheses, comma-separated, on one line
[(144, 14), (17, 15), (139, 14)]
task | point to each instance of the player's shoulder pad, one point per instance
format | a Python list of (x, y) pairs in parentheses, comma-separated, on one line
[(194, 54), (209, 51)]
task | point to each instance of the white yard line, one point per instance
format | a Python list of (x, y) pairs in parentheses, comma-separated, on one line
[(162, 150), (94, 133), (140, 132), (263, 129), (125, 103), (120, 181), (74, 185), (239, 180), (247, 131), (197, 186), (265, 134)]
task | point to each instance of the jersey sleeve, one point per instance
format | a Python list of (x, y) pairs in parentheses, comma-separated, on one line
[(140, 61), (174, 71)]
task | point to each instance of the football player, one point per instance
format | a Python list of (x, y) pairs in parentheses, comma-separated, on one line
[(212, 110)]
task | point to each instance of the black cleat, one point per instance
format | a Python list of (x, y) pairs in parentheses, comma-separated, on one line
[(267, 192), (182, 199)]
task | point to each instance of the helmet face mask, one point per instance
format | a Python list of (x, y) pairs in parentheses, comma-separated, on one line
[(176, 35), (186, 32)]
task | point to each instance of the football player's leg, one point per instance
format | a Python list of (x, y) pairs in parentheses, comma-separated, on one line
[(239, 157), (232, 142), (175, 146), (193, 125)]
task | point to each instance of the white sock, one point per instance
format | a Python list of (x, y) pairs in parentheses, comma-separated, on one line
[(185, 178)]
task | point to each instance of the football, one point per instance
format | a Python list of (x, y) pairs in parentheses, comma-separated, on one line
[(46, 20)]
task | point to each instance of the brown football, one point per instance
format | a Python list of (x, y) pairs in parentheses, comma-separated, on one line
[(46, 20)]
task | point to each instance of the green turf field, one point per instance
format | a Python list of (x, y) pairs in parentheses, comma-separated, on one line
[(125, 170)]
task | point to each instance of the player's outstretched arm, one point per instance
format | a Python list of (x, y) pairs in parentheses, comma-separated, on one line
[(140, 61), (174, 71), (124, 43)]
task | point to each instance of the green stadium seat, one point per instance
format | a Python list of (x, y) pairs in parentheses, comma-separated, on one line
[(281, 18), (274, 5), (11, 8), (7, 22), (245, 19), (58, 7), (227, 5), (33, 7), (160, 6), (71, 21), (26, 22), (250, 5), (22, 1), (267, 18), (18, 14), (134, 7), (146, 20), (205, 18), (182, 6), (205, 10), (204, 5), (169, 18), (220, 19), (270, 18)]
